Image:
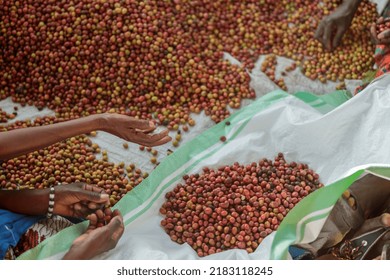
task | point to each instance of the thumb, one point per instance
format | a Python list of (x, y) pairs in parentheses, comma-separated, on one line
[(116, 228), (85, 195)]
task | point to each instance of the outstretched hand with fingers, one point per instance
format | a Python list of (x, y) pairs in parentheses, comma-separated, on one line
[(134, 130), (331, 29)]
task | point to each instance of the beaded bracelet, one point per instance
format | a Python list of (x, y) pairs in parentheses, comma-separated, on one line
[(51, 203)]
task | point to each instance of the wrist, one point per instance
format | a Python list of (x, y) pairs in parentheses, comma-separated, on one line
[(351, 5), (102, 121), (96, 122)]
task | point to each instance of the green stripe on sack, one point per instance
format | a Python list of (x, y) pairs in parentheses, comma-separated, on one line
[(380, 171), (324, 103), (288, 230)]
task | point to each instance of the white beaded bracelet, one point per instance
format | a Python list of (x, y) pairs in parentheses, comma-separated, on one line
[(51, 203)]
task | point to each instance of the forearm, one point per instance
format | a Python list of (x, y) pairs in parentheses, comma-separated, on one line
[(22, 141), (29, 202)]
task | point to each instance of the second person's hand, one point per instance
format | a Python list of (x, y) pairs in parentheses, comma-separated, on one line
[(331, 29)]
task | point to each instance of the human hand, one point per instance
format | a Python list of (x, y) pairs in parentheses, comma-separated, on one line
[(78, 199), (331, 29), (97, 239), (134, 130), (383, 37), (367, 232)]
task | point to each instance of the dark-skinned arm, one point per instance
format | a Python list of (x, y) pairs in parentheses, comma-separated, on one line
[(22, 141), (332, 28), (29, 202), (71, 200)]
